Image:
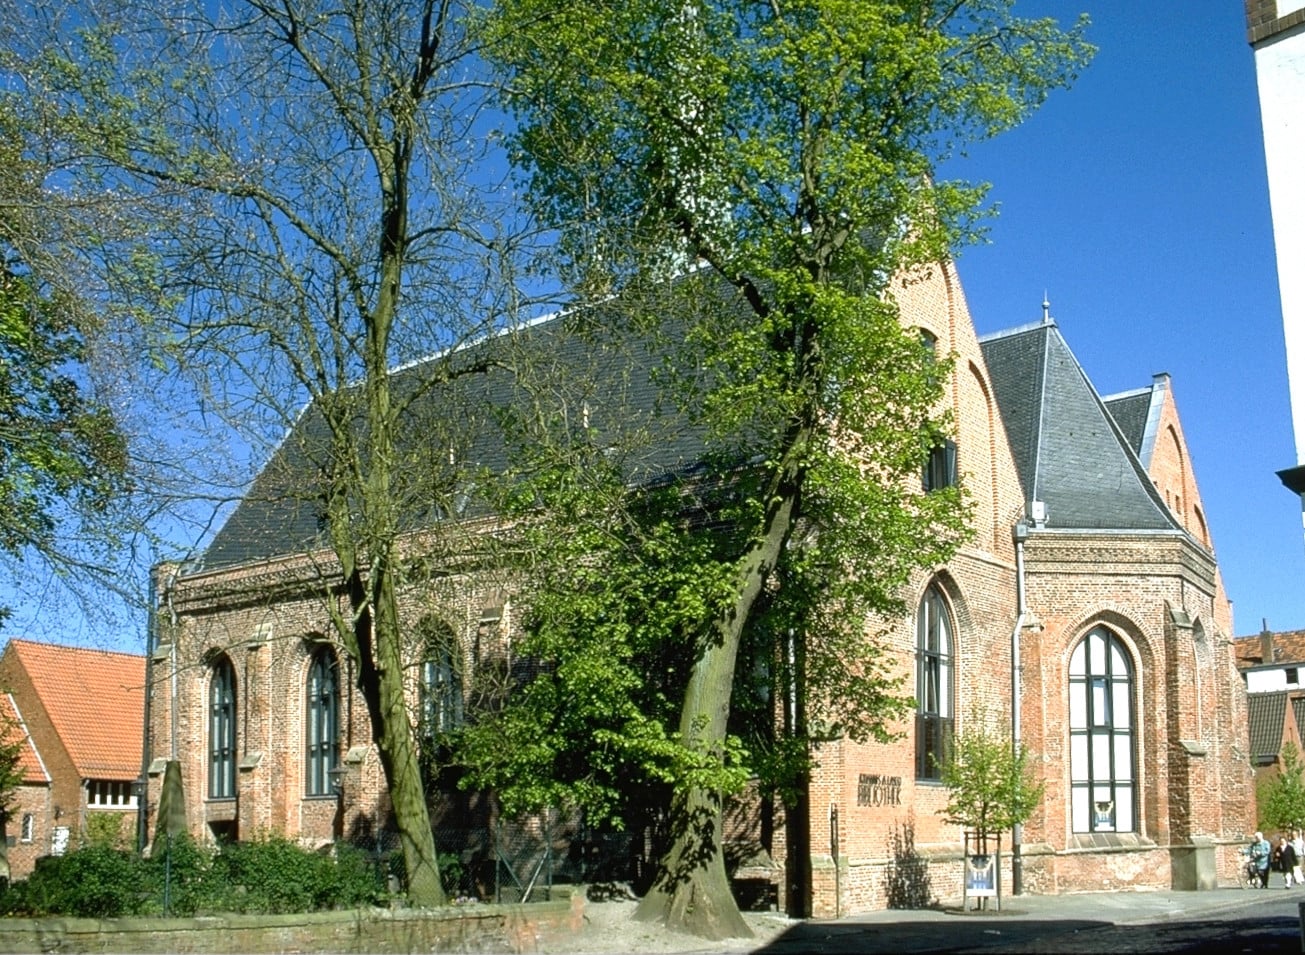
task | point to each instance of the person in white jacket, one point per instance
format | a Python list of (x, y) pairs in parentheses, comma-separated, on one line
[(1298, 843)]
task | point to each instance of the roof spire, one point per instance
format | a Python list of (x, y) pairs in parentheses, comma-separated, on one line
[(1046, 309)]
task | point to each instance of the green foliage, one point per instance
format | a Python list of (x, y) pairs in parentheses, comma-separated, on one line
[(1281, 798), (58, 447), (270, 876), (94, 881), (276, 875), (790, 153), (990, 783), (617, 604), (113, 830)]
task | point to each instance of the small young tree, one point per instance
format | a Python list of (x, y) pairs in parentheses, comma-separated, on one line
[(1281, 799), (990, 782)]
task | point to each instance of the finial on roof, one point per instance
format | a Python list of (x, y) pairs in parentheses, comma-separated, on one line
[(1046, 309)]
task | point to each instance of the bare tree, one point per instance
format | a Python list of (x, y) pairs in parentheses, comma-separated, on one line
[(328, 206)]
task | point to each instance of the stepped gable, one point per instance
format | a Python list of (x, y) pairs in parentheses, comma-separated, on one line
[(1069, 451)]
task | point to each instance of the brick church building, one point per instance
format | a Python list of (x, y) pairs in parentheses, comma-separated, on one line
[(1086, 614)]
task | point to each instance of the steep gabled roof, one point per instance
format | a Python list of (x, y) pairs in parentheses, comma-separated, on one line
[(12, 727), (96, 703), (1070, 452)]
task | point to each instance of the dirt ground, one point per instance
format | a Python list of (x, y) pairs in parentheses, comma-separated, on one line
[(610, 927)]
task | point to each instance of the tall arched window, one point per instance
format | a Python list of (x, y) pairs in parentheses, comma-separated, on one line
[(1103, 789), (441, 681), (222, 730), (933, 685), (323, 731)]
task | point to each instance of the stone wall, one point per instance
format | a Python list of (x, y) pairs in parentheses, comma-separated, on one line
[(497, 928)]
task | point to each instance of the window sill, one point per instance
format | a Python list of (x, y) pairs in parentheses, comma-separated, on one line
[(1110, 840)]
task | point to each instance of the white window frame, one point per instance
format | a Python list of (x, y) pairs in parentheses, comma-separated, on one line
[(110, 794), (1103, 779)]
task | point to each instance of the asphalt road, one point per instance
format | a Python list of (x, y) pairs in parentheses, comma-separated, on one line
[(1268, 926)]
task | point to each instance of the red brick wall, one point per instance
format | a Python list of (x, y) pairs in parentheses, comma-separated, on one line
[(36, 801), (65, 792), (1161, 594), (269, 643)]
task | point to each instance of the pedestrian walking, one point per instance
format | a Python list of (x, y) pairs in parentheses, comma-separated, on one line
[(1298, 843), (1260, 852), (1285, 858)]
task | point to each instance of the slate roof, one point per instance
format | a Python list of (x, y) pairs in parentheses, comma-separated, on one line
[(1069, 451), (1131, 411), (615, 382), (1265, 713), (1288, 650), (95, 700), (30, 765)]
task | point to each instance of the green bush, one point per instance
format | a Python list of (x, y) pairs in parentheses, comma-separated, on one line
[(269, 876), (92, 882), (181, 872)]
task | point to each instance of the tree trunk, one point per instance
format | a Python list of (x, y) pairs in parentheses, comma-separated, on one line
[(403, 775), (378, 651), (691, 892)]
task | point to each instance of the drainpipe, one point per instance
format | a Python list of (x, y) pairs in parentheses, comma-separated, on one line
[(172, 660), (1020, 534), (141, 787)]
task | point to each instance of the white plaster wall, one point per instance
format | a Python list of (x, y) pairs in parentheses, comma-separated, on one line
[(1280, 73), (1269, 681)]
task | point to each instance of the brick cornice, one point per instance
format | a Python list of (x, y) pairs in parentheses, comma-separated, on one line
[(1263, 22)]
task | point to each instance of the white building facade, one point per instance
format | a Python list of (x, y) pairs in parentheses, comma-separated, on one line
[(1276, 31)]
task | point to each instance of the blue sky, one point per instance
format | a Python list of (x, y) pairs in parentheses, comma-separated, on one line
[(1138, 201)]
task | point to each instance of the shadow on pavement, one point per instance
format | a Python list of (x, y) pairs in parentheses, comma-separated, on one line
[(937, 935), (1276, 935)]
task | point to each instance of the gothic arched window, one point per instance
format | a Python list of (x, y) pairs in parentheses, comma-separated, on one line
[(933, 685), (323, 724), (222, 730), (1103, 787)]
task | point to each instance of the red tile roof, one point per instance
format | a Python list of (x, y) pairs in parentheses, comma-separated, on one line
[(1288, 649), (11, 728), (96, 701)]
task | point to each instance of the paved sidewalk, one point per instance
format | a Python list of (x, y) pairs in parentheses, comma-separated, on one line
[(941, 930), (1115, 907), (1081, 919)]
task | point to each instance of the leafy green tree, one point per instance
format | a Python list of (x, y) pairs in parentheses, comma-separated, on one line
[(790, 154), (991, 786), (55, 444), (1281, 798)]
